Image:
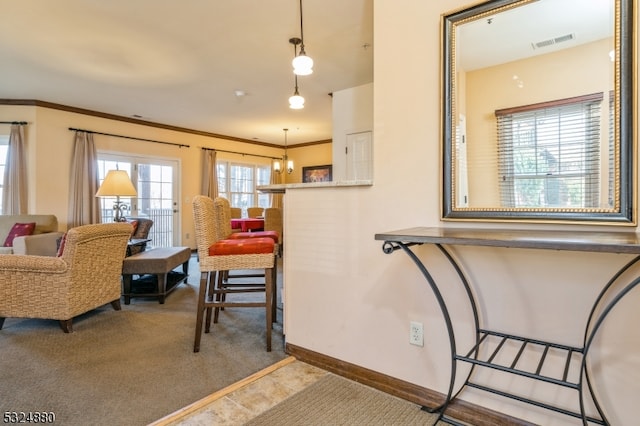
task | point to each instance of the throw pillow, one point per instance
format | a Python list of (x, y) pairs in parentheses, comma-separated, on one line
[(61, 242), (133, 223), (19, 230)]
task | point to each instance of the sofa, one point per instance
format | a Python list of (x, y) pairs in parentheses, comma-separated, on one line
[(43, 240)]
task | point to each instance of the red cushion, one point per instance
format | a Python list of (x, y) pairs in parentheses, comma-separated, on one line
[(258, 234), (242, 246), (19, 230), (133, 223), (63, 240)]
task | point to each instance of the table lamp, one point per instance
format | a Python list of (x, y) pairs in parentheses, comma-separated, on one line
[(117, 184)]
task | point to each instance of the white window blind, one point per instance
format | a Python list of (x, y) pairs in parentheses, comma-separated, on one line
[(549, 153)]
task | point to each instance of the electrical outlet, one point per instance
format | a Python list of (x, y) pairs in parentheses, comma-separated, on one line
[(416, 336)]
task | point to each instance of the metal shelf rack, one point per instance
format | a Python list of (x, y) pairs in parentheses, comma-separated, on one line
[(487, 350)]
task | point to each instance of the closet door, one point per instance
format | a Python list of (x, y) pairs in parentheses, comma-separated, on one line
[(359, 156)]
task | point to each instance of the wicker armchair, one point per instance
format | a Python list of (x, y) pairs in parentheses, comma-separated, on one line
[(236, 213), (86, 276), (218, 255)]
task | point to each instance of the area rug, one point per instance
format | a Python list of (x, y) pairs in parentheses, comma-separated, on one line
[(334, 400), (129, 367)]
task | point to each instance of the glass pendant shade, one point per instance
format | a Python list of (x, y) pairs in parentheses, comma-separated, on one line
[(302, 64), (276, 167), (296, 101), (289, 166)]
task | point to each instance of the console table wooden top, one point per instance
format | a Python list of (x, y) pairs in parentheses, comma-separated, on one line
[(597, 241)]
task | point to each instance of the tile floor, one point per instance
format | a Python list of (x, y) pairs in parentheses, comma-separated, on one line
[(241, 401), (246, 399)]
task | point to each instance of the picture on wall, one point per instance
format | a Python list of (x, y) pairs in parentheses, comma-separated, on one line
[(316, 174)]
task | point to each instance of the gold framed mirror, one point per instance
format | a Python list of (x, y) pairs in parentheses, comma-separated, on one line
[(538, 109)]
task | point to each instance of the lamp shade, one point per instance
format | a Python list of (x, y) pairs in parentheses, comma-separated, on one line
[(302, 64), (296, 101), (116, 184)]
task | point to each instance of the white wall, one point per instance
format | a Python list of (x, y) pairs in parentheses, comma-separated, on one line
[(348, 300), (352, 112)]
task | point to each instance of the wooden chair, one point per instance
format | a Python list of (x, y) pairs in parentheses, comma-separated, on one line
[(87, 275), (254, 211), (218, 255)]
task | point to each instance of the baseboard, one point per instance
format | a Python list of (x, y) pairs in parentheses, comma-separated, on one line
[(460, 410)]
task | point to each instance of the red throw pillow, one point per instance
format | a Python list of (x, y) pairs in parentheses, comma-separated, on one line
[(19, 230), (133, 223), (61, 242)]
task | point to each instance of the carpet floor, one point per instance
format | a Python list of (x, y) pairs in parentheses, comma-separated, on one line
[(129, 367)]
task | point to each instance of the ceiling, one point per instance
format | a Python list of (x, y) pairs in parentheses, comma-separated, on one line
[(183, 63), (514, 34)]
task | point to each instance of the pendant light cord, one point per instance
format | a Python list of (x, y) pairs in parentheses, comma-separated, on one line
[(301, 30)]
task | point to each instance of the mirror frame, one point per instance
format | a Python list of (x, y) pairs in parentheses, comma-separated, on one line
[(624, 211)]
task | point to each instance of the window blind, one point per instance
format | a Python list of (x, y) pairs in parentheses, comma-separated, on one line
[(549, 153)]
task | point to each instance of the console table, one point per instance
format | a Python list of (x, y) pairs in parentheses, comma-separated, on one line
[(476, 354)]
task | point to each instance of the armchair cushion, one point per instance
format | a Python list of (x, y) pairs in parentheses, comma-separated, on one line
[(19, 230), (37, 244)]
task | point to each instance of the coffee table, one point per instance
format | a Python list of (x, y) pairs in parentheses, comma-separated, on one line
[(156, 270)]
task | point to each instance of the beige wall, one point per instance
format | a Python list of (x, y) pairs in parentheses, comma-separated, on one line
[(346, 299), (312, 155), (50, 145)]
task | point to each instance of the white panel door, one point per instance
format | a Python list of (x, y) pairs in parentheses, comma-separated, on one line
[(359, 151)]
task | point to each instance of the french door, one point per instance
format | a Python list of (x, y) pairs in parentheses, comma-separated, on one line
[(156, 181)]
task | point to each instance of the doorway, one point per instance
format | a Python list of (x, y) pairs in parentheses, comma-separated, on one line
[(156, 181)]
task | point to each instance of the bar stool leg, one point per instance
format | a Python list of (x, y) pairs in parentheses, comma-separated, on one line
[(204, 278), (210, 282), (269, 284)]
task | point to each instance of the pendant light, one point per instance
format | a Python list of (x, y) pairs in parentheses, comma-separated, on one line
[(296, 101), (302, 64), (288, 164)]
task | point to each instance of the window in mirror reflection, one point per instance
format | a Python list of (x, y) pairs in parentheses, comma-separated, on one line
[(549, 154)]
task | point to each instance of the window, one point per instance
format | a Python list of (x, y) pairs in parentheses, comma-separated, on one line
[(237, 183), (549, 154)]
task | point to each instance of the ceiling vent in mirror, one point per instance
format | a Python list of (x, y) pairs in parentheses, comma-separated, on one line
[(552, 41)]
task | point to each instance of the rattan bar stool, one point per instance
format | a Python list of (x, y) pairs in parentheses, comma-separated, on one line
[(223, 231), (217, 256)]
